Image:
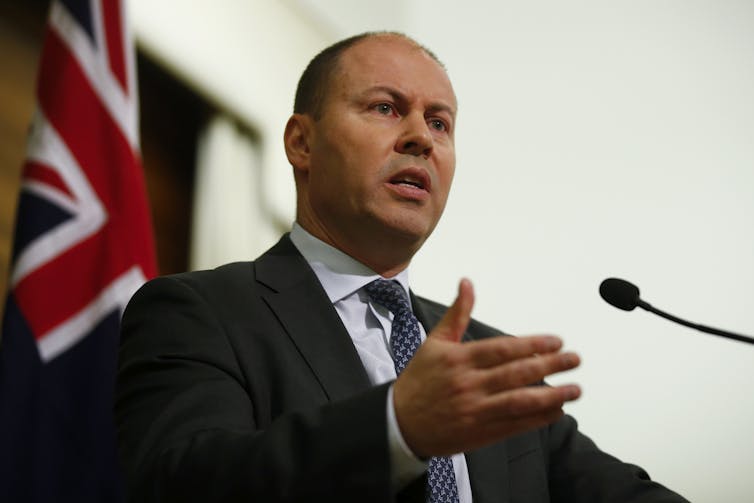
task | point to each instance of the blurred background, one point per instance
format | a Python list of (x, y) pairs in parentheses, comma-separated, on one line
[(595, 139)]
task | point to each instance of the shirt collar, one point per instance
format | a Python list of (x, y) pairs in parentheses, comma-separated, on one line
[(339, 274)]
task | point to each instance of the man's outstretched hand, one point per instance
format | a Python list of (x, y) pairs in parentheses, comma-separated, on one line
[(455, 397)]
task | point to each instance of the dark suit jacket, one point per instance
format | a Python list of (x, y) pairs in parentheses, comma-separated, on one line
[(242, 384)]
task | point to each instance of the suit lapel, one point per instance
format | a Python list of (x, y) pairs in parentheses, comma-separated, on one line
[(302, 307), (488, 473), (307, 315)]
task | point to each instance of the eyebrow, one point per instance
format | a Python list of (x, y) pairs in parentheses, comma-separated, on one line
[(397, 95)]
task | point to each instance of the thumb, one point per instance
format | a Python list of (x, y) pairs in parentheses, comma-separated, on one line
[(452, 326)]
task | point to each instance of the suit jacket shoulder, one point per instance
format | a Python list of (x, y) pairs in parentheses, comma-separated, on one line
[(241, 383)]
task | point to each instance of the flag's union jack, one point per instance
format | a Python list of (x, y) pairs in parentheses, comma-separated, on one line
[(83, 245)]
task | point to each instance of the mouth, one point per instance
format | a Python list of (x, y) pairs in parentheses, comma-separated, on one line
[(412, 177)]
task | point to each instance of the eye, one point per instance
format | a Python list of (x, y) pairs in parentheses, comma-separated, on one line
[(438, 125), (383, 108)]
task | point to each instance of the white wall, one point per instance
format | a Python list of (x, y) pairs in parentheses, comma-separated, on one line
[(595, 139), (244, 55), (614, 138)]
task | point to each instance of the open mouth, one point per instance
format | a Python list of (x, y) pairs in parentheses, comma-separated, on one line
[(412, 177), (412, 183)]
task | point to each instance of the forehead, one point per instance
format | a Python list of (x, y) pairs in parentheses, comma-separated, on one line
[(393, 62)]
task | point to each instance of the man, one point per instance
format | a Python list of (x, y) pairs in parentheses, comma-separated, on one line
[(275, 380)]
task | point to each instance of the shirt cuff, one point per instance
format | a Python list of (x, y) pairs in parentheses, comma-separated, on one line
[(404, 465)]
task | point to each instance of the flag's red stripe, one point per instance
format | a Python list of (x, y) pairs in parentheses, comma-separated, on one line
[(114, 36), (35, 171), (59, 289), (102, 151)]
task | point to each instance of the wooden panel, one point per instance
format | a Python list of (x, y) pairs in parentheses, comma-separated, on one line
[(21, 31)]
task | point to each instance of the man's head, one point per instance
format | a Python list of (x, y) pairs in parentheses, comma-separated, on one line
[(313, 84), (372, 147)]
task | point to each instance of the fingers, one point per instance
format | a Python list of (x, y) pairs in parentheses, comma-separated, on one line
[(497, 350), (456, 397), (525, 371), (529, 405), (453, 325)]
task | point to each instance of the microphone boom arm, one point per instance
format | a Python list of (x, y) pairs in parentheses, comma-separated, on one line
[(709, 330)]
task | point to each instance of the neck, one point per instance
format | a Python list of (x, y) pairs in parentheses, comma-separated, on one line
[(385, 255)]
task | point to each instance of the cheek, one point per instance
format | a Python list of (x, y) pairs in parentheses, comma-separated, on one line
[(338, 184), (445, 173), (359, 172), (351, 166)]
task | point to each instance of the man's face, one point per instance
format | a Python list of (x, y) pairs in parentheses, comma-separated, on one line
[(382, 155)]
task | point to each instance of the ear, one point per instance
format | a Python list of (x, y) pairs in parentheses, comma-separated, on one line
[(297, 138)]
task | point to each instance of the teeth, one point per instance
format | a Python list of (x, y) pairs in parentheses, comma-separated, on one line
[(409, 182)]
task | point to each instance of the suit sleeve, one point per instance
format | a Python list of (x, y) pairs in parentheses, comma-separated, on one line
[(580, 471), (186, 419)]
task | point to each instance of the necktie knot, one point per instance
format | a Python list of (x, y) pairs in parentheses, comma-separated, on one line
[(405, 336), (389, 293)]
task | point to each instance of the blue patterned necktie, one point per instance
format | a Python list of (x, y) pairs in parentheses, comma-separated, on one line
[(404, 341)]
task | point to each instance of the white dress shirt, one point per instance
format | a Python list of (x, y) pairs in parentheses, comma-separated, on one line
[(369, 324)]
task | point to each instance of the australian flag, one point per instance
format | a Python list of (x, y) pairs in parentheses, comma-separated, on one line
[(83, 244)]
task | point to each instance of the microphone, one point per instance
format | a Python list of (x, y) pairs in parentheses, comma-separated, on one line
[(624, 295)]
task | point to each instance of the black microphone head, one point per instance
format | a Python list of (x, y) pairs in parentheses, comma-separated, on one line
[(620, 293)]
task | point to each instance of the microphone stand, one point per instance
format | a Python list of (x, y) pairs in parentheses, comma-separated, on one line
[(709, 330)]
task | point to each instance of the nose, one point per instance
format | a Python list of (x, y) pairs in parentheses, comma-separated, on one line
[(415, 139)]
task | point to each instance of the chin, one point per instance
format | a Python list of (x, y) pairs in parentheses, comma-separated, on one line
[(403, 224), (409, 230)]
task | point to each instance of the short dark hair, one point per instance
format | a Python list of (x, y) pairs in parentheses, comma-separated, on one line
[(312, 86)]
